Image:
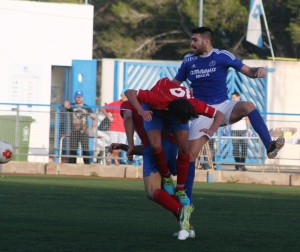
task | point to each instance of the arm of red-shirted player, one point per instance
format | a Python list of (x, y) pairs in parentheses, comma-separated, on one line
[(218, 119), (138, 149), (131, 95), (155, 100), (201, 108)]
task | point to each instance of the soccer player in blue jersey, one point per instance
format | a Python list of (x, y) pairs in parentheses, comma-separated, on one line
[(206, 69), (151, 175)]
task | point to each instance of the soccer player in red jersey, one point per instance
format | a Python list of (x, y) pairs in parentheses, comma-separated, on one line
[(152, 178), (172, 105)]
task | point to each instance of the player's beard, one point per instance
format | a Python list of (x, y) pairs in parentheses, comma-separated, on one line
[(200, 50)]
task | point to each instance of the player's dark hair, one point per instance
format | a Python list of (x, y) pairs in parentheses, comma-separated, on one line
[(182, 110), (204, 31)]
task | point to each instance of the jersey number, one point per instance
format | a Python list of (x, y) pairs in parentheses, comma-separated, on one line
[(179, 92)]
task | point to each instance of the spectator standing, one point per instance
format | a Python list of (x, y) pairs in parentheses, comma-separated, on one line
[(240, 129), (80, 130)]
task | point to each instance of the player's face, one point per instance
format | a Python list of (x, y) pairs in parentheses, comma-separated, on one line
[(198, 43)]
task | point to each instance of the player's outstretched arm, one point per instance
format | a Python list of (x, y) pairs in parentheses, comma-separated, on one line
[(137, 150), (117, 146), (254, 72)]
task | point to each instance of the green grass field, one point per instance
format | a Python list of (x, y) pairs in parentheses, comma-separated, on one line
[(44, 213)]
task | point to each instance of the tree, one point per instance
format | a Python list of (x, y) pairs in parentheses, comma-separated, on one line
[(160, 29), (294, 25)]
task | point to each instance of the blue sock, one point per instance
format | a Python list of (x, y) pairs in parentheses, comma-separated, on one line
[(260, 127), (190, 180)]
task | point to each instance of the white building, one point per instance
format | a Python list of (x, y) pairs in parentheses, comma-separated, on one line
[(38, 41)]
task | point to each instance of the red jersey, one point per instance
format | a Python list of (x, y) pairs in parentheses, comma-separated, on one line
[(137, 122), (165, 91), (117, 124)]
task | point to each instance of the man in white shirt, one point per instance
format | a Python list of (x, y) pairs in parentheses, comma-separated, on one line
[(240, 145)]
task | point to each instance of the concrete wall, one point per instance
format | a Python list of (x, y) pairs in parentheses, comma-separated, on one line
[(132, 171), (283, 97)]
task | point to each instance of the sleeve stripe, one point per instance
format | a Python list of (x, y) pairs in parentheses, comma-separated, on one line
[(225, 52)]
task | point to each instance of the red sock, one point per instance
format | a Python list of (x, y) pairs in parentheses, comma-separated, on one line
[(161, 162), (167, 201), (179, 187), (182, 168)]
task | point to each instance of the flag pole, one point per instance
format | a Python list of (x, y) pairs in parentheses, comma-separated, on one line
[(267, 30), (200, 23)]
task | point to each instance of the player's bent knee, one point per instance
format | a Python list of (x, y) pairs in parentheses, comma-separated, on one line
[(157, 148), (184, 148), (250, 106), (151, 194), (152, 183), (193, 157)]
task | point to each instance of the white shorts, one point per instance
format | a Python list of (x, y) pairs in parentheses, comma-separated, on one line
[(204, 122)]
